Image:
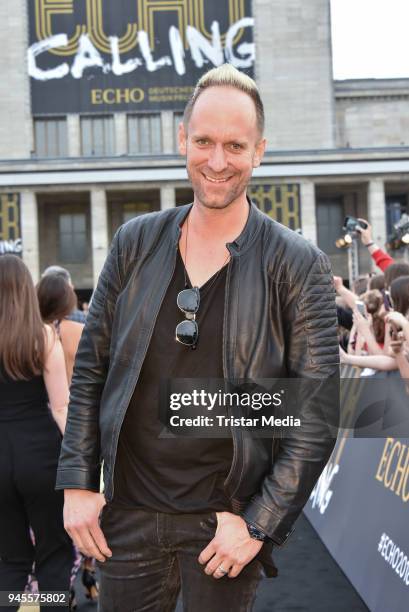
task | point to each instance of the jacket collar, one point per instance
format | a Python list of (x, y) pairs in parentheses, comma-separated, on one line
[(242, 242)]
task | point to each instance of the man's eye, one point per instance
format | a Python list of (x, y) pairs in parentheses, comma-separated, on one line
[(202, 141), (236, 146)]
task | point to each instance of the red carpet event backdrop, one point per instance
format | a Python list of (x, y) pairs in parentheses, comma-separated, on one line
[(359, 507), (96, 56)]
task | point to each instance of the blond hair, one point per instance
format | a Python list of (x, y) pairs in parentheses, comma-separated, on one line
[(227, 76)]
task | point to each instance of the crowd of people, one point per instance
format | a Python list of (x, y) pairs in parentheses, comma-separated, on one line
[(40, 328), (373, 315)]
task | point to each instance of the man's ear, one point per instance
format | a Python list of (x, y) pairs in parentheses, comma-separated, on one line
[(258, 155), (182, 136)]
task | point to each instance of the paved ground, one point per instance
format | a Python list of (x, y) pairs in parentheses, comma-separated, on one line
[(309, 580)]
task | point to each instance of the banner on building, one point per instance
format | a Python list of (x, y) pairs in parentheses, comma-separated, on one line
[(93, 56), (280, 202), (10, 227), (360, 509)]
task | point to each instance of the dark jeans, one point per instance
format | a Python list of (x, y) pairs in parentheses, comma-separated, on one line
[(155, 555), (28, 462)]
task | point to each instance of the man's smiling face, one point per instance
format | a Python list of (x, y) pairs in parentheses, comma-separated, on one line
[(222, 146)]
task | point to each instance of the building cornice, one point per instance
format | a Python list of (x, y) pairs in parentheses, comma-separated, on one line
[(160, 169)]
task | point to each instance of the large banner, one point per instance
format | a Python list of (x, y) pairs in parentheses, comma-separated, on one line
[(360, 510), (98, 56), (280, 202)]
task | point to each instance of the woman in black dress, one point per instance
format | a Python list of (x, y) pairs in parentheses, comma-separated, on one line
[(33, 410)]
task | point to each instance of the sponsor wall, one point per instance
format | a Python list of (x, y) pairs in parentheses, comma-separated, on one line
[(98, 56), (360, 509)]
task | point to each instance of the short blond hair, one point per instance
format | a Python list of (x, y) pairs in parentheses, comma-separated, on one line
[(227, 76)]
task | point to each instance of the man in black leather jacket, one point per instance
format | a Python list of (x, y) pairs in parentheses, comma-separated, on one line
[(182, 510)]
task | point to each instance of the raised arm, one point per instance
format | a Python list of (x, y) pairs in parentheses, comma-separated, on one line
[(375, 362), (363, 325), (380, 257), (348, 296)]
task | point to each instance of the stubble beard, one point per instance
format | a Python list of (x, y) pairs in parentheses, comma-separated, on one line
[(231, 195)]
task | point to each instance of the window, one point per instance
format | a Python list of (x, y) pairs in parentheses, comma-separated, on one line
[(144, 134), (50, 137), (72, 237), (130, 211), (98, 136), (396, 206), (330, 219), (177, 119)]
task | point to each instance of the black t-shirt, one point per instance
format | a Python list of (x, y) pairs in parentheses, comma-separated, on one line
[(181, 474)]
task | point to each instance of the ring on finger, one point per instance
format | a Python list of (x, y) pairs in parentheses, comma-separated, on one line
[(221, 570)]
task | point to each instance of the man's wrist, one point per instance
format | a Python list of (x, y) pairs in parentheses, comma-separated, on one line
[(255, 533), (369, 244)]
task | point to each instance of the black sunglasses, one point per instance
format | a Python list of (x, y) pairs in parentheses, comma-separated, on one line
[(188, 301)]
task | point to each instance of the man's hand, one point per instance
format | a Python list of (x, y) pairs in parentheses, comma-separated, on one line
[(81, 513), (231, 548), (365, 234)]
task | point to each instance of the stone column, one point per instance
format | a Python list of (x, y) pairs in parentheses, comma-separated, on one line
[(121, 135), (74, 135), (29, 233), (99, 231), (167, 198), (168, 145), (308, 213), (377, 211)]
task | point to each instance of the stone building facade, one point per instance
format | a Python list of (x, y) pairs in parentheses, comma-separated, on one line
[(67, 181)]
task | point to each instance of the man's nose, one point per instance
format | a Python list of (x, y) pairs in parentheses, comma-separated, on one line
[(217, 160)]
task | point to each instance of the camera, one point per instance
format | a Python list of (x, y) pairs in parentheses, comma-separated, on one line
[(351, 224)]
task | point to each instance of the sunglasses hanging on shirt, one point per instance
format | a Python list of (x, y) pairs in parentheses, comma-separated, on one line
[(188, 301), (187, 331)]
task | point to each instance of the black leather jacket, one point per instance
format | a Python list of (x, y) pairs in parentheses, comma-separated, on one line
[(279, 321)]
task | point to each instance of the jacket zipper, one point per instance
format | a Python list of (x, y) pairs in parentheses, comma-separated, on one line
[(115, 447), (226, 377)]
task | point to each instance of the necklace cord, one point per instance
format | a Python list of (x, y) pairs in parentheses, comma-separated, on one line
[(216, 275)]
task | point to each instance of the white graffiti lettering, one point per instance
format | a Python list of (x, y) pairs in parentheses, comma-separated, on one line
[(11, 246), (321, 493), (59, 40), (87, 57), (244, 49), (118, 68), (151, 64), (201, 48), (178, 53), (202, 52)]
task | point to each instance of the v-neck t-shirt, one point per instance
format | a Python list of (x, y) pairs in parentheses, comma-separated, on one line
[(179, 474)]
